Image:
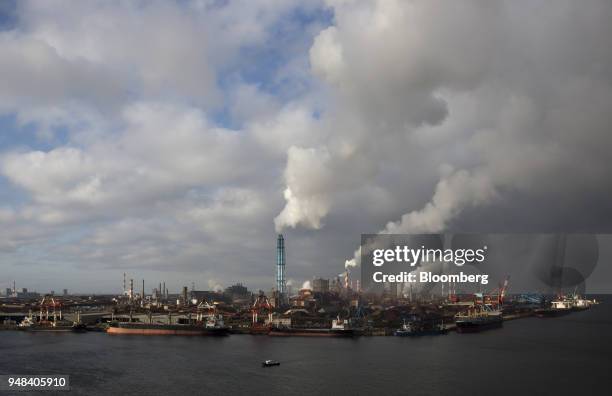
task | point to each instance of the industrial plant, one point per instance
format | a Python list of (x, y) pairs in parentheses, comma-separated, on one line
[(328, 308)]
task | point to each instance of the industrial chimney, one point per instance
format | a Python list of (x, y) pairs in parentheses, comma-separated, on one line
[(281, 284)]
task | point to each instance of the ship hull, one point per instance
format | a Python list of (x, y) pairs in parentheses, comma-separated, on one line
[(403, 333), (311, 333), (50, 329), (476, 326), (179, 330), (551, 313), (259, 330)]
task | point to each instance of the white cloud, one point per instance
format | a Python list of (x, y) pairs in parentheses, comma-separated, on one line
[(158, 130)]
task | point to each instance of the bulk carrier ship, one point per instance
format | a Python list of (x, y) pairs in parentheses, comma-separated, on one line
[(213, 326)]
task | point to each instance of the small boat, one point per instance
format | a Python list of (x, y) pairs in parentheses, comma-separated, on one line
[(270, 363)]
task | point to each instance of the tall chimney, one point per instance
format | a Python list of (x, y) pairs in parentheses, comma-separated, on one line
[(281, 284)]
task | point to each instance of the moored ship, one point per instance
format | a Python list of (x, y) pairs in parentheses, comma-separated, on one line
[(564, 305), (213, 326), (478, 318), (57, 326), (339, 328), (557, 308), (51, 323), (418, 327)]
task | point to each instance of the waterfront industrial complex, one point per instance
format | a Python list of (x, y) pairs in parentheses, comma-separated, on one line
[(328, 308)]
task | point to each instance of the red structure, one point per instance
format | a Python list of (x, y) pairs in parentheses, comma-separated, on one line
[(261, 308), (50, 308)]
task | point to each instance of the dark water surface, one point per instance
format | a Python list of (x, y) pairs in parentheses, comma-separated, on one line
[(560, 356)]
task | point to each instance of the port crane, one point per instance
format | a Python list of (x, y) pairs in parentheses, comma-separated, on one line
[(261, 306), (497, 297), (49, 302), (205, 309)]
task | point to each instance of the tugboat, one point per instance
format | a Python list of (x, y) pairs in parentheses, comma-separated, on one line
[(270, 363), (418, 327), (478, 318)]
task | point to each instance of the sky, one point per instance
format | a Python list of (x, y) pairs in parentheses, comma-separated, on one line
[(172, 140)]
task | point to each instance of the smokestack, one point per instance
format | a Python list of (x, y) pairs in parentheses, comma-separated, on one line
[(143, 292), (131, 289), (185, 295), (164, 291), (281, 284), (159, 291), (124, 289)]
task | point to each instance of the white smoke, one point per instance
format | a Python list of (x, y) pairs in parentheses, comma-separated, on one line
[(351, 263), (306, 285), (308, 184), (416, 84), (214, 285), (454, 192)]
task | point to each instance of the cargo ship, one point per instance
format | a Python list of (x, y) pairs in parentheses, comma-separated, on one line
[(563, 306), (479, 318), (213, 326), (57, 326), (339, 328), (418, 327)]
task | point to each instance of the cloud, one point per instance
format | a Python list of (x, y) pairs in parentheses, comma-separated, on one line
[(163, 150), (187, 127)]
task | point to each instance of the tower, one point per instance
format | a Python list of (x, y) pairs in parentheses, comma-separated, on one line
[(281, 284)]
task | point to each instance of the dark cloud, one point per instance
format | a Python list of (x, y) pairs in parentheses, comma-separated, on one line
[(424, 116)]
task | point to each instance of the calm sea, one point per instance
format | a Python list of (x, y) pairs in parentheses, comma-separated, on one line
[(560, 356)]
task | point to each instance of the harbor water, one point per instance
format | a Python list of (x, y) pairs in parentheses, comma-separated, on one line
[(566, 355)]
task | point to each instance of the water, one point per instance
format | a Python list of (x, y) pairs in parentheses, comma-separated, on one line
[(566, 355)]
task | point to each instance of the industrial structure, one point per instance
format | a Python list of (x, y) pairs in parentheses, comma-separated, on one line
[(281, 283)]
